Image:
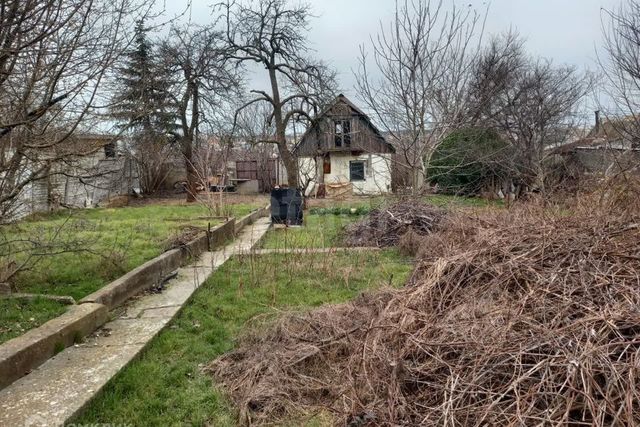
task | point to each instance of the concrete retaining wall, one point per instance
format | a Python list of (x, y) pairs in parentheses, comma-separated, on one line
[(251, 218), (153, 272), (22, 354)]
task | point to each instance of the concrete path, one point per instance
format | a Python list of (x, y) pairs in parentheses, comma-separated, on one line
[(313, 250), (62, 386)]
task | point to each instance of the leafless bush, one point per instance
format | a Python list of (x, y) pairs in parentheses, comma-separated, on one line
[(526, 316), (152, 159), (54, 59)]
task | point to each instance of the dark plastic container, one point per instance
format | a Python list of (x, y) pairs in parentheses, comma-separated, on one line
[(286, 206)]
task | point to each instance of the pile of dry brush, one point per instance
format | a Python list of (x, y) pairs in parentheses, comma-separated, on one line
[(184, 236), (523, 317), (385, 226)]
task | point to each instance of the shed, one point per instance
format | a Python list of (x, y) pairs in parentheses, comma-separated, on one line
[(343, 149)]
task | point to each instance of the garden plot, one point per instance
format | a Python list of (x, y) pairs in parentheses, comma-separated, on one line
[(85, 249), (167, 385), (327, 222)]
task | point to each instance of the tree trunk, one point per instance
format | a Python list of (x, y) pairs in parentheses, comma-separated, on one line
[(417, 180), (192, 174), (290, 163), (289, 160)]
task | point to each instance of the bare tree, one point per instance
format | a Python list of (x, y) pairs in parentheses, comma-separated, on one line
[(202, 79), (532, 103), (621, 68), (270, 33), (416, 89), (54, 57)]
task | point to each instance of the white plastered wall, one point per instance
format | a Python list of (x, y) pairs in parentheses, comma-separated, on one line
[(377, 172)]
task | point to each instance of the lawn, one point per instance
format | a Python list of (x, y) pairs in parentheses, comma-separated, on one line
[(319, 231), (324, 223), (99, 245), (166, 386), (19, 315), (444, 200), (91, 247)]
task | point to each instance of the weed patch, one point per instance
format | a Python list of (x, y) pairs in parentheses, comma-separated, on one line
[(167, 386)]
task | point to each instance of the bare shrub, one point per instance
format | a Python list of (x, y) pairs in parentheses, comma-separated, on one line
[(384, 226), (527, 316)]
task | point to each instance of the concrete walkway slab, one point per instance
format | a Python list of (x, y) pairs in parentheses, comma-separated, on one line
[(315, 250), (58, 390)]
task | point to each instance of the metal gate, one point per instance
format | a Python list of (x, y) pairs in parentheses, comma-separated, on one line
[(263, 172)]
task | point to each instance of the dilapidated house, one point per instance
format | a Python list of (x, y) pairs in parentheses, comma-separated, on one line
[(343, 152), (86, 171), (609, 148)]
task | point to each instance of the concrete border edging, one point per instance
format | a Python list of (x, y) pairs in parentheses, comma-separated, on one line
[(218, 236), (251, 218), (22, 354), (26, 352), (60, 388), (152, 272)]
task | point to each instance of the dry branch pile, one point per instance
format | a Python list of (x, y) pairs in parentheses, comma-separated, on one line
[(184, 236), (385, 226), (525, 317)]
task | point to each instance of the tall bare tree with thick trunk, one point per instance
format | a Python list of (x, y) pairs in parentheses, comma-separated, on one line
[(271, 34), (416, 88), (202, 79), (621, 69)]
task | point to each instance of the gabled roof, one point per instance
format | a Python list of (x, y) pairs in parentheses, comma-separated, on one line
[(343, 99)]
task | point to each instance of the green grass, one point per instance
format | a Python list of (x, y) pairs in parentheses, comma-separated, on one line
[(354, 202), (89, 248), (319, 231), (166, 385), (324, 226), (102, 244), (20, 315)]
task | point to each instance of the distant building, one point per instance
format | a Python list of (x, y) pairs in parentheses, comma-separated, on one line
[(92, 171), (609, 147), (342, 152)]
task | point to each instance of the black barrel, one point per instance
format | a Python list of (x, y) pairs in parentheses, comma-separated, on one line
[(286, 206)]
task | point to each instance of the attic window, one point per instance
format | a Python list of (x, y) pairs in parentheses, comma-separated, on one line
[(110, 150), (342, 132)]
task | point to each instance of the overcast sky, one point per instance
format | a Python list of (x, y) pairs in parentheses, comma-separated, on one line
[(567, 31)]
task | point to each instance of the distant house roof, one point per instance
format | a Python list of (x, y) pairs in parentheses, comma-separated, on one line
[(612, 134), (356, 111), (78, 144)]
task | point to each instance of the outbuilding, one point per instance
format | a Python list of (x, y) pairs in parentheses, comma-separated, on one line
[(343, 153)]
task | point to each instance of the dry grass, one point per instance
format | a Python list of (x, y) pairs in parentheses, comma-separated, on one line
[(523, 317)]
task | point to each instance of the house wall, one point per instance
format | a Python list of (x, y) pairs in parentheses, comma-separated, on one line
[(606, 160), (377, 172), (84, 183), (321, 138)]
